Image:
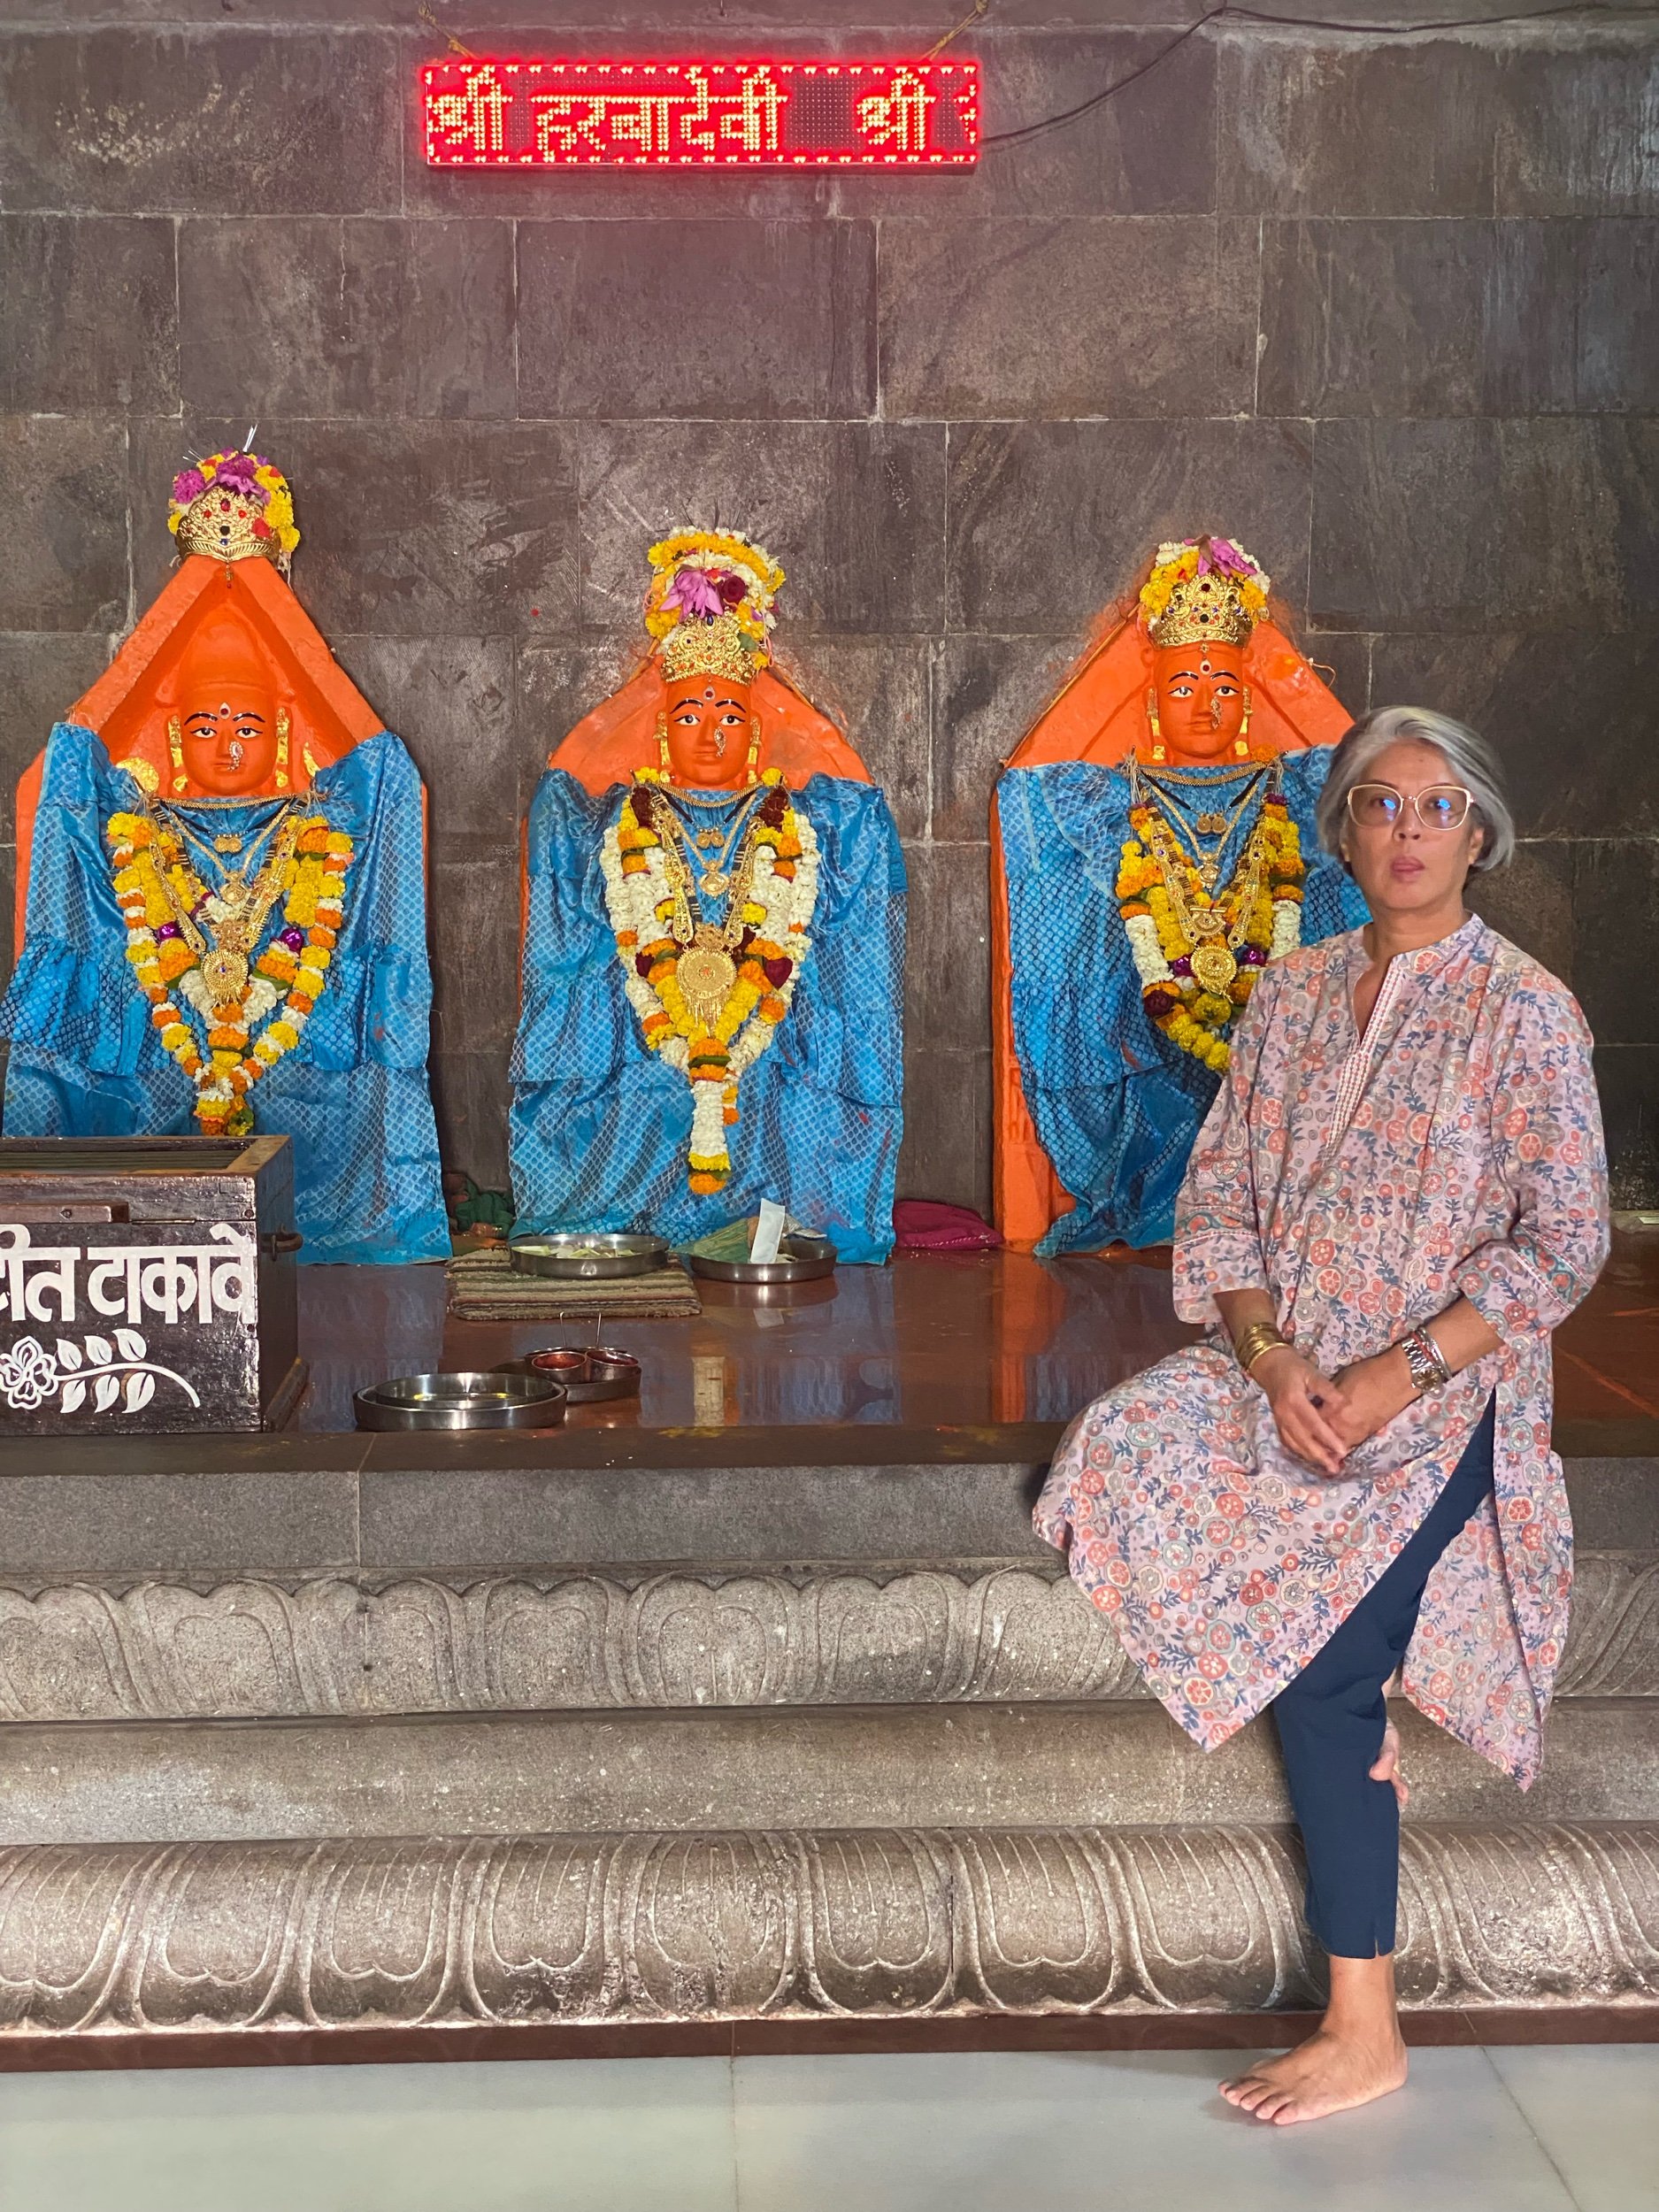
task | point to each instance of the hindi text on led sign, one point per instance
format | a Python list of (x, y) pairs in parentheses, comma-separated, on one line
[(492, 113)]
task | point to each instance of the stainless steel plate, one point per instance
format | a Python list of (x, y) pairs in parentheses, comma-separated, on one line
[(589, 1373), (465, 1400), (801, 1259), (580, 1256)]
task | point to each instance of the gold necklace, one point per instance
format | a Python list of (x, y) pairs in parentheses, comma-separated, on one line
[(1215, 930), (1217, 823), (224, 948)]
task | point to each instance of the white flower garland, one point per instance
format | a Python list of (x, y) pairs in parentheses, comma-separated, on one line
[(779, 912)]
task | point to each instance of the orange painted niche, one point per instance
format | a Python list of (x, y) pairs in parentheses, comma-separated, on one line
[(1100, 715), (129, 704)]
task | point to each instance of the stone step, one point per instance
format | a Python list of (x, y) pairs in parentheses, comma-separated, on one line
[(1017, 1633), (119, 1511), (1108, 1763), (349, 1935)]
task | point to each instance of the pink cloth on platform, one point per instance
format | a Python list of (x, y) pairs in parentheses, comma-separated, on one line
[(1457, 1150), (928, 1224)]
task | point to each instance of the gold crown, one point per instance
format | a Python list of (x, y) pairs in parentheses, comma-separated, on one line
[(721, 647), (221, 524), (1203, 610)]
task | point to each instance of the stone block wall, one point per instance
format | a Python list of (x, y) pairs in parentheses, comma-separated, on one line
[(1385, 307)]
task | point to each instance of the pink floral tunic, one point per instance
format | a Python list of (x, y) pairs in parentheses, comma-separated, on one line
[(1457, 1147)]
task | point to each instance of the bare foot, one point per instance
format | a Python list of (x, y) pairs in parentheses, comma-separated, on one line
[(1330, 2073), (1387, 1766)]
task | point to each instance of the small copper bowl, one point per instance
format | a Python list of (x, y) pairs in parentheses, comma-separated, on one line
[(564, 1363), (586, 1372)]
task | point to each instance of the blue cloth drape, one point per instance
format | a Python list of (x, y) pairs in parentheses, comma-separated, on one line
[(1116, 1105), (86, 1060), (600, 1125)]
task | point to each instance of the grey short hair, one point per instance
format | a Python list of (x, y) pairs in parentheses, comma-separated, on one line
[(1471, 759)]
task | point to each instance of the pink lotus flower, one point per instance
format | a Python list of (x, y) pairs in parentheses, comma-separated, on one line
[(1226, 557), (705, 593), (187, 484)]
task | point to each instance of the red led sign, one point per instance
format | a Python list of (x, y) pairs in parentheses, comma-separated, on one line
[(497, 114)]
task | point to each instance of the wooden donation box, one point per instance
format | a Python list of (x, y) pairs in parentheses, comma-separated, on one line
[(147, 1286)]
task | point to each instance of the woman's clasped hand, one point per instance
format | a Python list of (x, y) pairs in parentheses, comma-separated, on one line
[(1322, 1418)]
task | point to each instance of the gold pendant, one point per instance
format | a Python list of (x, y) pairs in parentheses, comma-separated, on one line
[(1213, 966), (1206, 922), (227, 844), (225, 974), (705, 975), (1211, 825), (710, 841), (712, 882), (1208, 872)]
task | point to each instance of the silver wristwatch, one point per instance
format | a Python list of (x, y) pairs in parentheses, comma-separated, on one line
[(1422, 1355)]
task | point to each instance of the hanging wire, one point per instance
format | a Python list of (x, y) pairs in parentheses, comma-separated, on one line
[(1235, 9)]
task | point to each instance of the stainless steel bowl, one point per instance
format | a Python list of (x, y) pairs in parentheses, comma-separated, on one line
[(584, 1257), (465, 1400), (801, 1259), (587, 1374)]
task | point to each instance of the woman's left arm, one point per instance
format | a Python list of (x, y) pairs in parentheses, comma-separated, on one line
[(1547, 1156)]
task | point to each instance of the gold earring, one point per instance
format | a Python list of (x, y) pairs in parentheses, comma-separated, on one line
[(751, 769), (661, 741), (1153, 726), (282, 748), (175, 748), (1241, 743)]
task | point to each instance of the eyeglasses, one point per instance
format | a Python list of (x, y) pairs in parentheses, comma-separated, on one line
[(1443, 806)]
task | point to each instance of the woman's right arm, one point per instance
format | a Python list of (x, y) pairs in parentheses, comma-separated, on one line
[(1305, 1401)]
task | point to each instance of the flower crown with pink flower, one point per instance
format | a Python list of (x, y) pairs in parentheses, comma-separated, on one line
[(203, 489), (711, 602), (1203, 588)]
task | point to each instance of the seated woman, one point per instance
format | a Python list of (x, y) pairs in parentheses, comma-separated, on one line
[(1153, 851), (1399, 1193), (221, 906), (714, 942)]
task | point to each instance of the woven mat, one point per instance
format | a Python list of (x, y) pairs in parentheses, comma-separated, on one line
[(483, 1288)]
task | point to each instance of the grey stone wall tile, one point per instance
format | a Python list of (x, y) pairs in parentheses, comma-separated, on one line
[(63, 552), (41, 675), (1471, 524), (1573, 713), (1531, 902), (947, 970), (269, 1521), (326, 316), (559, 680), (1344, 660), (1046, 318), (750, 319), (947, 1149), (1329, 124), (422, 529), (1149, 149), (1049, 521), (450, 699), (1577, 133), (876, 689), (854, 512), (470, 1092), (1466, 317), (1627, 1077), (87, 314), (475, 908), (989, 691), (221, 121), (1616, 907)]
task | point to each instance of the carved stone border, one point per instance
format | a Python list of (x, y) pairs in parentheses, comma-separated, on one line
[(162, 1651), (579, 1929)]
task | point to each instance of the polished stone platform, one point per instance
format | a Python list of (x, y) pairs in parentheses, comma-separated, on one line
[(757, 1712), (952, 1340)]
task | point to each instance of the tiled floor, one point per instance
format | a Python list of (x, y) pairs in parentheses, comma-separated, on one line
[(1519, 2129)]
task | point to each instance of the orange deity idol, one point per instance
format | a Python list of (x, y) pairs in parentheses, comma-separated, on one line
[(713, 943), (1153, 851), (221, 902)]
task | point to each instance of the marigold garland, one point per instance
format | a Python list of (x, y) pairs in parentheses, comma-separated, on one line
[(1268, 876), (780, 872), (155, 884)]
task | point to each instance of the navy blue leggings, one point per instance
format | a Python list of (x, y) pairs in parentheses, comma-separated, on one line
[(1331, 1721)]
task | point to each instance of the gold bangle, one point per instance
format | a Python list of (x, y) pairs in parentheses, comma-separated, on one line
[(1258, 1339), (1278, 1344)]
